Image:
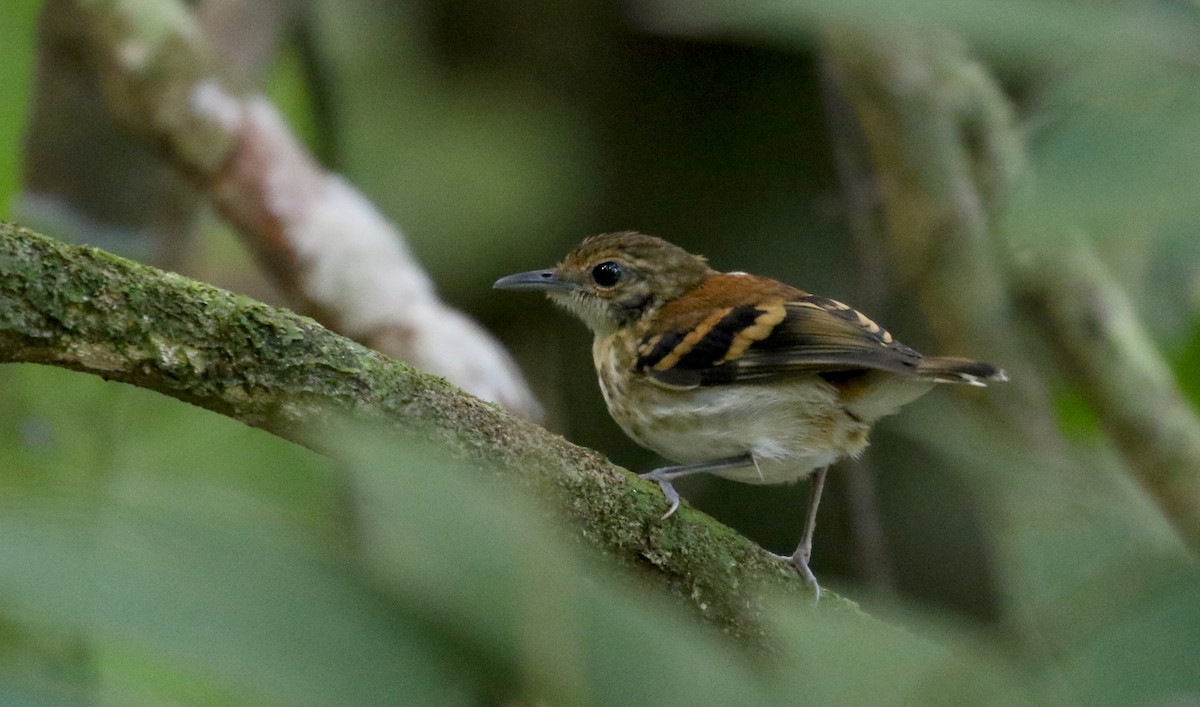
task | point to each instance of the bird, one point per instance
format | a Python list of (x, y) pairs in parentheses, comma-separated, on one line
[(734, 374)]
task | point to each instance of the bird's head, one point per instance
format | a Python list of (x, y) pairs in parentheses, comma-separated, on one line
[(613, 279)]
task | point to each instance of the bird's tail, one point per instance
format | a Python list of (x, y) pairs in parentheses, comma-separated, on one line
[(947, 369)]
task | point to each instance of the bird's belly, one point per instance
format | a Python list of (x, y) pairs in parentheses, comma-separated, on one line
[(789, 429)]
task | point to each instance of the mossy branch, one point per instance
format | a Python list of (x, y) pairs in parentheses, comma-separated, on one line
[(87, 310)]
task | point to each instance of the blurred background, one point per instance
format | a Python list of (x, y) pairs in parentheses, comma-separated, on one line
[(1015, 183)]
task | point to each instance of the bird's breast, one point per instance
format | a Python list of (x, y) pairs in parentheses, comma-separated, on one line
[(791, 427)]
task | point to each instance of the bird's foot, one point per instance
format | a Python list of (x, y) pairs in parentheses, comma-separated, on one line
[(667, 487), (799, 560)]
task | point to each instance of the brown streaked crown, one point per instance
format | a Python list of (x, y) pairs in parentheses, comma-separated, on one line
[(648, 272)]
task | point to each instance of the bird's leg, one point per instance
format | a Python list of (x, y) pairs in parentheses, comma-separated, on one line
[(664, 475), (800, 557)]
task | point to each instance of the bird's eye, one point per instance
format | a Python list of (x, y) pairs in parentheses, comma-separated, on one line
[(607, 274)]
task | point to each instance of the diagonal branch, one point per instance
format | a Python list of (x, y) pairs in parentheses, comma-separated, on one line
[(324, 243), (950, 159), (1088, 318), (90, 311)]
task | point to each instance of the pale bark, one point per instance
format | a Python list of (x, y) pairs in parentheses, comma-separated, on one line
[(324, 243)]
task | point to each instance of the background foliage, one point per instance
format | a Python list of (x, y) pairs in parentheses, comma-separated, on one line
[(157, 554)]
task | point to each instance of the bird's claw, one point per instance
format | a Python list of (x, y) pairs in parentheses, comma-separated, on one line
[(810, 579), (668, 490), (799, 562), (672, 496)]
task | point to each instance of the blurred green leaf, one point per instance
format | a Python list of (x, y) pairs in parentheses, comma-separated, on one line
[(489, 569), (202, 562), (1148, 649), (836, 660), (1119, 152)]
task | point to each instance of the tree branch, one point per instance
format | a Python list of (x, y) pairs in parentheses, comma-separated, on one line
[(1088, 319), (87, 310), (324, 243), (948, 156), (927, 110)]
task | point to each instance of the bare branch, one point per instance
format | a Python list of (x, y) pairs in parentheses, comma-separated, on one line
[(325, 244), (918, 99), (948, 156), (1088, 318)]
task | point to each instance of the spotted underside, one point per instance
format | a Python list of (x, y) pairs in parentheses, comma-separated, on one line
[(781, 333)]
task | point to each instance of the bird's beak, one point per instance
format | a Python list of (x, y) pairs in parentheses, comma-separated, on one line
[(535, 280)]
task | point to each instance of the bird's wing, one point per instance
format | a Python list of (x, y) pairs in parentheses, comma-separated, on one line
[(769, 341)]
